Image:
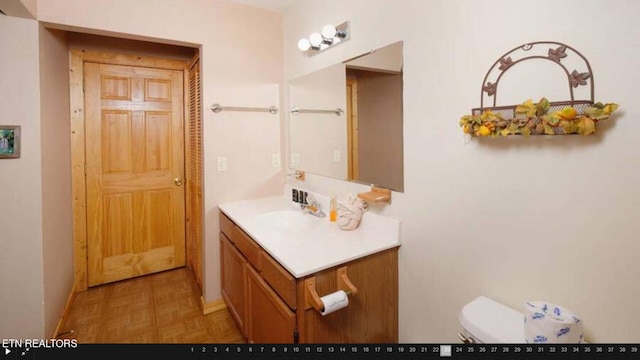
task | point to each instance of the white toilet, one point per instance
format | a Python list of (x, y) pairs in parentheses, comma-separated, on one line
[(489, 322)]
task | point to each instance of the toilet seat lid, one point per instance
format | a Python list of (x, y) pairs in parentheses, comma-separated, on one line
[(492, 322)]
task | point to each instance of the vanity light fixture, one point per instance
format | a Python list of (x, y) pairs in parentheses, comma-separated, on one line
[(304, 44), (328, 37), (316, 40)]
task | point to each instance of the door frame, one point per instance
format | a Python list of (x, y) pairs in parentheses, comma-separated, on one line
[(77, 58), (353, 172)]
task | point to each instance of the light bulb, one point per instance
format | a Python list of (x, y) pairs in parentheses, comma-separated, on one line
[(304, 45), (315, 39), (328, 31)]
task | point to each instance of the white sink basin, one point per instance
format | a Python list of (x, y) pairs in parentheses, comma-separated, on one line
[(287, 220)]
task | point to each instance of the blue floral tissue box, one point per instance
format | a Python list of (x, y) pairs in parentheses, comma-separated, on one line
[(545, 322)]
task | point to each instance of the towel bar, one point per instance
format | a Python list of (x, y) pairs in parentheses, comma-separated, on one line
[(296, 111), (216, 108)]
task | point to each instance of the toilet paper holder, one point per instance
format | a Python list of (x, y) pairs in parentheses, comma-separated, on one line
[(311, 297)]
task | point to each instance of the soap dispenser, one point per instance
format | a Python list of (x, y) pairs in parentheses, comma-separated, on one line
[(333, 209)]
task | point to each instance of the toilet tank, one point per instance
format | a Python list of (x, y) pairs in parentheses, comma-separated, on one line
[(487, 321)]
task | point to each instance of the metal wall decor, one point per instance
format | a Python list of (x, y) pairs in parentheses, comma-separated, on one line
[(568, 116)]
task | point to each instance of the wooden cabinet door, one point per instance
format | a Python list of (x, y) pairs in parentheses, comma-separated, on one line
[(233, 273), (372, 313), (269, 319), (134, 170)]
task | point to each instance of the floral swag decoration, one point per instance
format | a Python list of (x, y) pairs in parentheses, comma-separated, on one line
[(544, 117), (535, 119)]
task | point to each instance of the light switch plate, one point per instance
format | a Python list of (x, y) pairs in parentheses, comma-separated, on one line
[(222, 164), (275, 160), (336, 155), (295, 159)]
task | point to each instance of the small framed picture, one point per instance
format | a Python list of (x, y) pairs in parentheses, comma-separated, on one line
[(9, 141)]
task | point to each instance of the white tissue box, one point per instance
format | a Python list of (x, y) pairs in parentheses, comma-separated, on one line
[(545, 322)]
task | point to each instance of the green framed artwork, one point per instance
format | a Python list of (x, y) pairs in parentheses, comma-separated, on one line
[(9, 141)]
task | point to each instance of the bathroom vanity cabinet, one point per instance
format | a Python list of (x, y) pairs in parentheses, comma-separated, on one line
[(270, 305)]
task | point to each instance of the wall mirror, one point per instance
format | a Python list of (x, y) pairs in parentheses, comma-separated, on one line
[(346, 120)]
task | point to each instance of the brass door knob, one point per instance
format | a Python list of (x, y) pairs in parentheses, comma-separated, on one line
[(177, 181)]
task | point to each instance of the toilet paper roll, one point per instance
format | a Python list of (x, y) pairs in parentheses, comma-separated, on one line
[(545, 322), (334, 302)]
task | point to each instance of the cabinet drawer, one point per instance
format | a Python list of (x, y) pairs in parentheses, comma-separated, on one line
[(279, 279), (249, 248), (226, 226)]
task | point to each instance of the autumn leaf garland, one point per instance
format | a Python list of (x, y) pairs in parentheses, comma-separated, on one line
[(535, 119)]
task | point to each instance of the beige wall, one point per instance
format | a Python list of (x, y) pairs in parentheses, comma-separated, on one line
[(516, 219), (241, 66), (19, 8), (21, 272), (31, 6), (57, 226)]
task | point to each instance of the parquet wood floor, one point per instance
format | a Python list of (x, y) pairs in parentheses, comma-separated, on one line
[(157, 308)]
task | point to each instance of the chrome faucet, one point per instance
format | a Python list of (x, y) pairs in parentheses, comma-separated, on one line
[(313, 207)]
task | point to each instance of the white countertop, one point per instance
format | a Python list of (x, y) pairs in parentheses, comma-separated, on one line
[(315, 248)]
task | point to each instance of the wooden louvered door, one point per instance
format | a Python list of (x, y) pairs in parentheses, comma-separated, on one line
[(194, 174), (134, 130)]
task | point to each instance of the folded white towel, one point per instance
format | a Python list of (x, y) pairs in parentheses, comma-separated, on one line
[(350, 212)]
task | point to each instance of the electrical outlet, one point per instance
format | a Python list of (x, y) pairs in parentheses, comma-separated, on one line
[(222, 164), (336, 155), (275, 160), (295, 159)]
